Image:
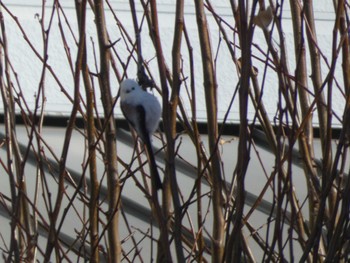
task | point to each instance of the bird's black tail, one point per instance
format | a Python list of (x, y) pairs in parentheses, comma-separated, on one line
[(156, 182)]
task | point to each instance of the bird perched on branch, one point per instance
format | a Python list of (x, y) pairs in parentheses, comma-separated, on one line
[(264, 18), (143, 111)]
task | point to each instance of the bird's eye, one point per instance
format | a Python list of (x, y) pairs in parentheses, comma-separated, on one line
[(133, 88)]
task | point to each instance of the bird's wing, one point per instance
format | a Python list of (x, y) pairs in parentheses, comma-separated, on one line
[(136, 116)]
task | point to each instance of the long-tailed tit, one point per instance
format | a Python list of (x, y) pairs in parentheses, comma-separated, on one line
[(142, 110)]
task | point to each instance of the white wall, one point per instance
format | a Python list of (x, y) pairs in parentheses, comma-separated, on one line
[(29, 68)]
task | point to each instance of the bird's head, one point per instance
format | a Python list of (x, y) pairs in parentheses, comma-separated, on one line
[(128, 87)]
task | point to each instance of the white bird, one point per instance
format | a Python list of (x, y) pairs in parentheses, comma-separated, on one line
[(143, 111)]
